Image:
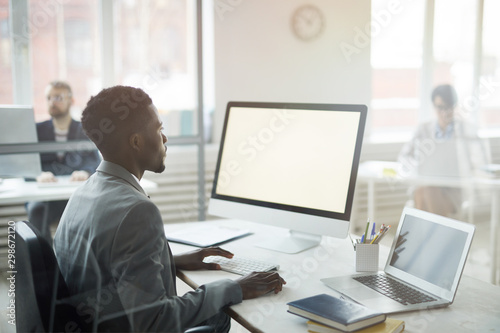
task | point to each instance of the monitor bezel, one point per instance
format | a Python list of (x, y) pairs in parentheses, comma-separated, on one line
[(344, 216)]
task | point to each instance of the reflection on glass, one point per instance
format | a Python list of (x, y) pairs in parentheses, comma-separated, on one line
[(454, 38), (432, 252)]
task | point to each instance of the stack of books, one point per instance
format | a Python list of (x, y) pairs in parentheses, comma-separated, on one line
[(328, 314)]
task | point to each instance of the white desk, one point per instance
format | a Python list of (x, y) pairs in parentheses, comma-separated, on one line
[(17, 191), (372, 172), (476, 307)]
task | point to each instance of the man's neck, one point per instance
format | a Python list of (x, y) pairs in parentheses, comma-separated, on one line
[(63, 122), (127, 164)]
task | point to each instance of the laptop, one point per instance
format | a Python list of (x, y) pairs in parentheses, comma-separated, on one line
[(439, 159), (426, 260), (18, 126)]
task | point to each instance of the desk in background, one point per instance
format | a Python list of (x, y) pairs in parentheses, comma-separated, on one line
[(373, 172), (17, 191), (476, 307)]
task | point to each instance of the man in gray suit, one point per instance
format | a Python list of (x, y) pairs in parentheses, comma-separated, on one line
[(110, 243)]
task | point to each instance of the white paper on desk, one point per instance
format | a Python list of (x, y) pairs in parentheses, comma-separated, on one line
[(206, 235)]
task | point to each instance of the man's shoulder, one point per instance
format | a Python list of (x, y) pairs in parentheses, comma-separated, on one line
[(111, 196), (75, 122), (44, 125), (114, 189), (45, 130), (76, 131)]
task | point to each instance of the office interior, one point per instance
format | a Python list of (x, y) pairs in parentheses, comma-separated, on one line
[(193, 57)]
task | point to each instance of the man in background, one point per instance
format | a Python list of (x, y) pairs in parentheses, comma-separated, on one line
[(78, 165)]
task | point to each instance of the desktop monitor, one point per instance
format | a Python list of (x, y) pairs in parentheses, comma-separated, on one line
[(17, 125), (290, 165)]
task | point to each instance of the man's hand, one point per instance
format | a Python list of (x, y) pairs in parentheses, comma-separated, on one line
[(46, 177), (79, 176), (194, 260), (259, 283)]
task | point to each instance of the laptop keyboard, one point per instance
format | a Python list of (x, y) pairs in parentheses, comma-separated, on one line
[(394, 289)]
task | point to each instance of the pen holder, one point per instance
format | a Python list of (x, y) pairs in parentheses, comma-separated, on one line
[(367, 257)]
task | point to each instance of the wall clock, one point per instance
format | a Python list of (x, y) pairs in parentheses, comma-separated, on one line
[(307, 22)]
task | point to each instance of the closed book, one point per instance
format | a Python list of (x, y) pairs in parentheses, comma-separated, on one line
[(335, 312), (390, 325)]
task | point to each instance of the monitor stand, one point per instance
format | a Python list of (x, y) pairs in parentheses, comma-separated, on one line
[(295, 242)]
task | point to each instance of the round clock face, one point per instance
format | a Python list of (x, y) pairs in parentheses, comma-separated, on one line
[(307, 22)]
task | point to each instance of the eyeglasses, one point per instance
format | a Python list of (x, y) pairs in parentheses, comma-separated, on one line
[(443, 108), (57, 98)]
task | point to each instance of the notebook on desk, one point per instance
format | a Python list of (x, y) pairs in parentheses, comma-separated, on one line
[(427, 258), (205, 235)]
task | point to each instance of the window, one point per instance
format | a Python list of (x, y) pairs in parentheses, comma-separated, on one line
[(396, 58), (153, 47), (164, 64), (6, 93), (454, 42), (489, 80), (64, 46), (404, 74)]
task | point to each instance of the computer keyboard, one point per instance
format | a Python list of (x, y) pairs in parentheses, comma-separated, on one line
[(394, 289), (242, 266), (62, 181)]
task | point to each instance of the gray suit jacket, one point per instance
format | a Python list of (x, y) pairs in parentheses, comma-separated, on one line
[(111, 237)]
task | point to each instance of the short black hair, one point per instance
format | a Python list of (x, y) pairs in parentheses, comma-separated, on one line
[(447, 93), (114, 111)]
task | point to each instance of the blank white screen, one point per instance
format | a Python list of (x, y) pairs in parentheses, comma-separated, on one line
[(295, 157)]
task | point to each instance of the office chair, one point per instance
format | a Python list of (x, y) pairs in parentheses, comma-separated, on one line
[(40, 286)]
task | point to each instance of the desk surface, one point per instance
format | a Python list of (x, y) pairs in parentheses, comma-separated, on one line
[(17, 191), (476, 307), (387, 171)]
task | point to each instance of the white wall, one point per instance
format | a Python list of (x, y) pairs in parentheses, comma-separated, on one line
[(257, 57)]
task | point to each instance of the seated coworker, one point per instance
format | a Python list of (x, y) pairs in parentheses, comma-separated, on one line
[(111, 235), (78, 164), (464, 152)]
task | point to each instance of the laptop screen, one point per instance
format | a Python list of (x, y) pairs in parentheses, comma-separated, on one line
[(429, 251)]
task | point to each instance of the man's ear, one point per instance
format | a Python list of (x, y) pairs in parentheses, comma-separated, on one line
[(136, 141)]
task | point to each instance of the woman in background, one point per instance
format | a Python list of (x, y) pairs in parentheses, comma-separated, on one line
[(447, 146)]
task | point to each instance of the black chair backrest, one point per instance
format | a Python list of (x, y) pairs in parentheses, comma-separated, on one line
[(40, 286)]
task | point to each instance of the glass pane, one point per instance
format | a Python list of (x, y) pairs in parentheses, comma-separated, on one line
[(155, 50), (396, 58), (65, 46), (489, 90), (454, 35), (6, 84)]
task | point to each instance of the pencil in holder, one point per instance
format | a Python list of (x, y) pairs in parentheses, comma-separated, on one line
[(367, 257)]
